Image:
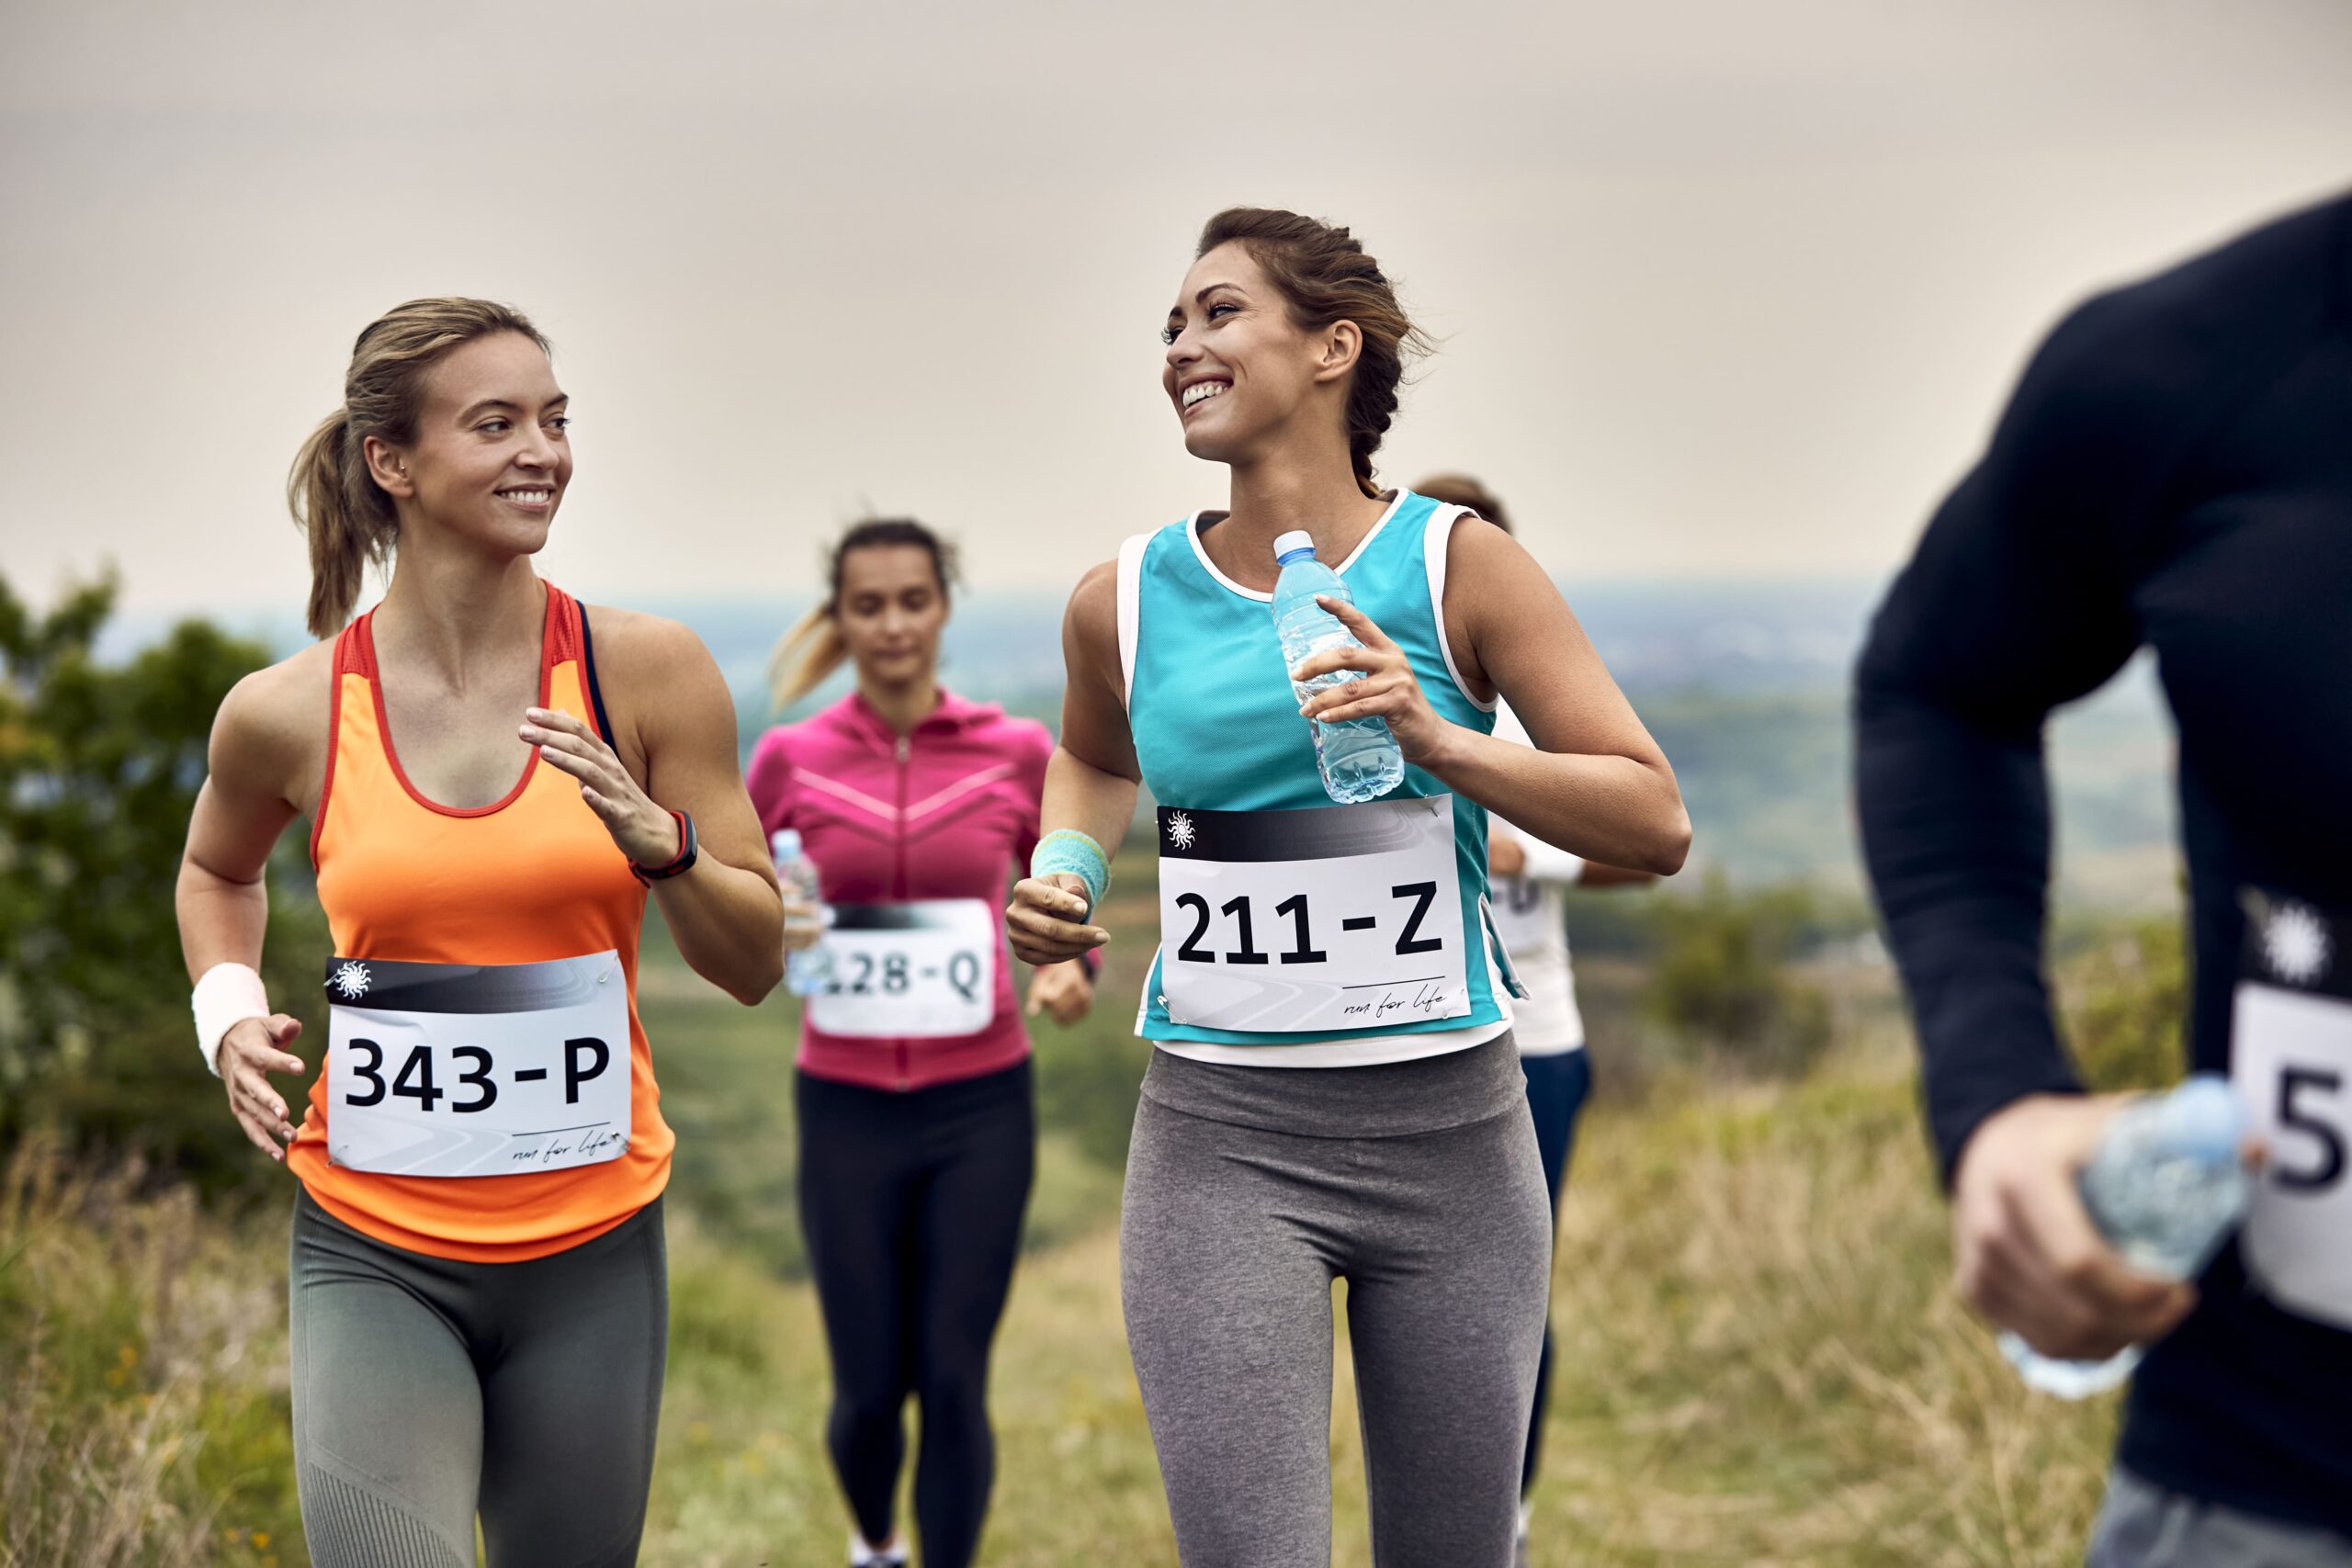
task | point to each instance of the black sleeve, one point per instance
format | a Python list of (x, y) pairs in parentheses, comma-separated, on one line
[(2018, 598)]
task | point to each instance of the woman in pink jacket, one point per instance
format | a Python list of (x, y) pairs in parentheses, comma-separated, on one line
[(917, 1116)]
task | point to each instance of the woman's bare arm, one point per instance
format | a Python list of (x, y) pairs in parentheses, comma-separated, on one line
[(677, 721), (1092, 779), (262, 759), (1599, 786)]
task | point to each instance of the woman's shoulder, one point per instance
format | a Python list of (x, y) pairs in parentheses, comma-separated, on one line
[(648, 645), (1029, 742), (291, 695), (274, 719), (1009, 735), (782, 748)]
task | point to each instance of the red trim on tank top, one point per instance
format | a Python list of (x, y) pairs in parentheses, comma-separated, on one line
[(347, 659), (549, 644)]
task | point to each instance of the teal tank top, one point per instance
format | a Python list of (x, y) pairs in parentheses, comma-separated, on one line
[(1216, 728)]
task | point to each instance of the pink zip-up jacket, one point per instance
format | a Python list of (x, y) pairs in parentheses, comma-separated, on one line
[(948, 812)]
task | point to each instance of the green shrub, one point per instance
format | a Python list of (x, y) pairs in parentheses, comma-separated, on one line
[(99, 768), (2126, 1002), (1722, 985)]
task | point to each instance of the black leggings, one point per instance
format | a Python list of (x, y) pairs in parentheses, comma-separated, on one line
[(911, 1204)]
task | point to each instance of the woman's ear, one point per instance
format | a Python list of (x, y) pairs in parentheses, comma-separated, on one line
[(388, 466), (1343, 345)]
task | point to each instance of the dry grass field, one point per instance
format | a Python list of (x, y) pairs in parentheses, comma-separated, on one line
[(1760, 1363)]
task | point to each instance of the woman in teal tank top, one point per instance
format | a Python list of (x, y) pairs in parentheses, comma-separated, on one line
[(1348, 940)]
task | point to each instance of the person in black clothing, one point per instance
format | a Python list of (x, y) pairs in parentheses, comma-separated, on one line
[(2174, 471)]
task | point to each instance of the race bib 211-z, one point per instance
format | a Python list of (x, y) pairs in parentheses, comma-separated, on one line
[(1329, 919)]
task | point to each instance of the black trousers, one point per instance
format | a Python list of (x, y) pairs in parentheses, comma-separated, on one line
[(911, 1204)]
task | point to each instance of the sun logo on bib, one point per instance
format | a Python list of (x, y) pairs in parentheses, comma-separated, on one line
[(1180, 831), (2295, 944), (351, 980)]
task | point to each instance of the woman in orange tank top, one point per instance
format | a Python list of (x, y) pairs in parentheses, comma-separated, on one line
[(495, 776)]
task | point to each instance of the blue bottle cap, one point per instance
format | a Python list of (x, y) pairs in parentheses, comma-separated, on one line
[(2203, 1120)]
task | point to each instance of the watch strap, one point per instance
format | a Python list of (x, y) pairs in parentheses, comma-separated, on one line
[(687, 851)]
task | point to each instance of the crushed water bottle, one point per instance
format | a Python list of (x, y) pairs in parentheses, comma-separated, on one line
[(1358, 758), (2165, 1187), (806, 970)]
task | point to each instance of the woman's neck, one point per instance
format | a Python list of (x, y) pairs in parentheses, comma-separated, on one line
[(902, 707), (1284, 491), (457, 611)]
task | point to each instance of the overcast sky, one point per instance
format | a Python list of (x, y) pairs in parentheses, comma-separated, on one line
[(1725, 288)]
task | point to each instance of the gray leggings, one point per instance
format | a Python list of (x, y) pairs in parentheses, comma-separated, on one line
[(2146, 1525), (1250, 1189), (426, 1390)]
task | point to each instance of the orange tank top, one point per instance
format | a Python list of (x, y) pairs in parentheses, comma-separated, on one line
[(533, 877)]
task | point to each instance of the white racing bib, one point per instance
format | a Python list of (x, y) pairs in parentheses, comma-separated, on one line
[(1293, 923), (466, 1069), (2290, 1061), (1517, 905), (924, 970)]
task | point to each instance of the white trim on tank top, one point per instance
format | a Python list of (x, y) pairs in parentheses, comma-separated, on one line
[(1435, 537), (1131, 553), (1192, 532)]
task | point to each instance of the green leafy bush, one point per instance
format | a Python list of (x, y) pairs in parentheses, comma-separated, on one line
[(1722, 984), (2126, 1000), (99, 768)]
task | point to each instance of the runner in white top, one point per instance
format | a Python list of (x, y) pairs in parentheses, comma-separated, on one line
[(1531, 919)]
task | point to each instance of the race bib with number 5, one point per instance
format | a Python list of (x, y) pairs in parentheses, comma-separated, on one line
[(463, 1069), (2290, 1061), (923, 970), (1329, 919)]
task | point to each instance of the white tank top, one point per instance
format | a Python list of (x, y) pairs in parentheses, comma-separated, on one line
[(1532, 921)]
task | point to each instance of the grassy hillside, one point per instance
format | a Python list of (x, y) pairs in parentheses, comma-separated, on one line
[(1760, 1363)]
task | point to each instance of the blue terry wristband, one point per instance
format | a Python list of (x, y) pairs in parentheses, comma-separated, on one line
[(1067, 850)]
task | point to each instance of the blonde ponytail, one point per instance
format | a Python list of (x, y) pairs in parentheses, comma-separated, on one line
[(821, 652), (335, 501)]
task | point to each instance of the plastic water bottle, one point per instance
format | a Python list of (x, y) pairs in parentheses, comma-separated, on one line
[(807, 969), (2165, 1187), (1358, 757)]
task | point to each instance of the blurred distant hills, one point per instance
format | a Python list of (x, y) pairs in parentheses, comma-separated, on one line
[(1744, 684)]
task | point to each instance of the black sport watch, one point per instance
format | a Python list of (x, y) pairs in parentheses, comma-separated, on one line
[(688, 848)]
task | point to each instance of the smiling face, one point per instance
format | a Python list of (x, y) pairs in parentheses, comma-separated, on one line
[(890, 611), (1239, 370), (491, 457)]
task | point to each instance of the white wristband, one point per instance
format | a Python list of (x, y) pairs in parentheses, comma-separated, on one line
[(227, 996)]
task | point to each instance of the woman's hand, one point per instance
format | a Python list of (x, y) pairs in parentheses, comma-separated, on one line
[(804, 928), (1063, 990), (1506, 856), (645, 834), (250, 1052), (1047, 921), (1388, 691)]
